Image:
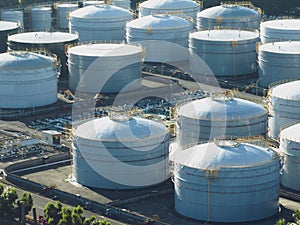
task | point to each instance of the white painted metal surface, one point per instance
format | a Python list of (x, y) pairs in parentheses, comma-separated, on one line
[(100, 23), (120, 154), (41, 18), (211, 117), (184, 8), (290, 147), (13, 16), (284, 106), (27, 80), (228, 16), (280, 30), (63, 14), (226, 52), (106, 68), (221, 181), (278, 61)]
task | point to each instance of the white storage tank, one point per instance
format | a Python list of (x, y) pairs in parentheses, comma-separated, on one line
[(63, 13), (280, 30), (228, 16), (100, 23), (161, 28), (290, 147), (27, 80), (219, 115), (227, 181), (284, 106), (89, 3), (125, 4), (188, 9), (41, 18), (278, 61), (6, 28), (105, 68), (13, 16), (120, 152), (226, 52), (54, 42)]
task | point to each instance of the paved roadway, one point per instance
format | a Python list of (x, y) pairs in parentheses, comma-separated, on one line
[(40, 202)]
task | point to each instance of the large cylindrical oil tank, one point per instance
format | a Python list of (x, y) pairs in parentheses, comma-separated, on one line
[(13, 16), (228, 16), (27, 80), (41, 18), (290, 147), (100, 23), (284, 106), (278, 61), (222, 181), (120, 153), (280, 30), (63, 14), (54, 42), (186, 8), (219, 115), (6, 28), (226, 52), (105, 68), (161, 28)]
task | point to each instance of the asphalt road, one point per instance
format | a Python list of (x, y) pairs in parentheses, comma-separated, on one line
[(40, 202)]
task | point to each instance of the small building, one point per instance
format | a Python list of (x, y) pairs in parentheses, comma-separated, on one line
[(52, 137)]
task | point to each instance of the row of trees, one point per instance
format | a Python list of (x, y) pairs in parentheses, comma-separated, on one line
[(11, 205), (57, 214)]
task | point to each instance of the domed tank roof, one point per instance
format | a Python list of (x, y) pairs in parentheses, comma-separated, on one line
[(106, 50), (285, 47), (128, 130), (224, 153), (169, 4), (43, 37), (222, 108), (7, 25), (291, 133), (224, 35), (100, 11), (159, 22), (293, 93), (24, 61), (228, 11)]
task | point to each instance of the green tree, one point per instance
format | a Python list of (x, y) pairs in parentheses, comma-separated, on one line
[(89, 221), (296, 216), (104, 222), (77, 215), (280, 221), (9, 197), (94, 221), (26, 200), (66, 214), (1, 188), (52, 212), (10, 194)]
